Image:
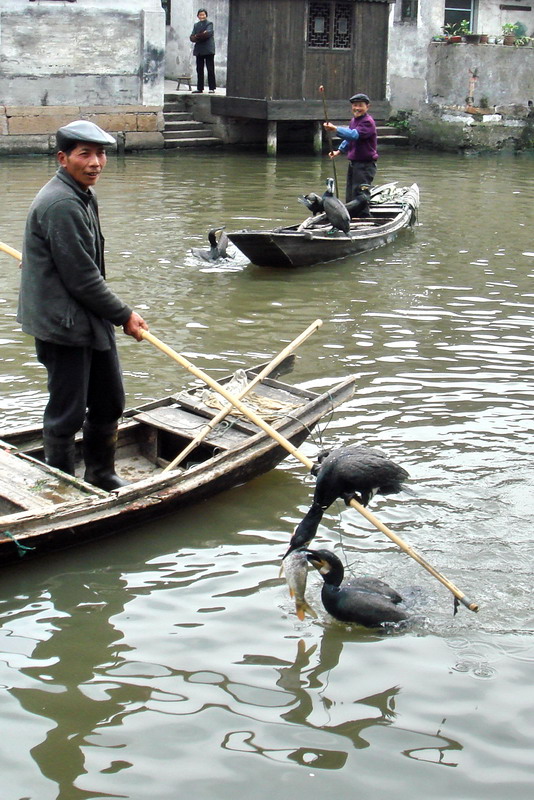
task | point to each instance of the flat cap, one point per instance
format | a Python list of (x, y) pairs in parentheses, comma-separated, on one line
[(84, 131), (359, 98)]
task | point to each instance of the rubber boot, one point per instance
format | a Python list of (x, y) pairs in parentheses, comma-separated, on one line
[(99, 443), (59, 452)]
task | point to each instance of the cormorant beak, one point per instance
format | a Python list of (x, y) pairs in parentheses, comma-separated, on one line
[(313, 558), (316, 561)]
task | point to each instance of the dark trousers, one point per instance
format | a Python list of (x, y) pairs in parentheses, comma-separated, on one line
[(360, 173), (210, 66), (83, 383)]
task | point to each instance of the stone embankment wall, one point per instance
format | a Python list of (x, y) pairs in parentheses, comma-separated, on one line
[(102, 61), (31, 129)]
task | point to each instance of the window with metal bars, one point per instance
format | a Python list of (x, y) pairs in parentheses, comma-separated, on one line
[(330, 24)]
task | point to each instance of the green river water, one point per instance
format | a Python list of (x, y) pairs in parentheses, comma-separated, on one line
[(168, 661)]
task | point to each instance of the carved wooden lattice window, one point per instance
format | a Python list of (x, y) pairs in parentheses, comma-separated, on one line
[(330, 24)]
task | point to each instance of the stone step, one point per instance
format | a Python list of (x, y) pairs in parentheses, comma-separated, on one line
[(177, 116), (184, 125), (393, 139), (173, 108), (211, 141), (170, 97), (196, 133)]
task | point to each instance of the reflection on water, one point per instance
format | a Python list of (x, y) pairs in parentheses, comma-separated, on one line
[(171, 656)]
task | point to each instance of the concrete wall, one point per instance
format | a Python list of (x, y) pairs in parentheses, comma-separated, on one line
[(479, 97), (94, 58), (179, 57), (502, 75)]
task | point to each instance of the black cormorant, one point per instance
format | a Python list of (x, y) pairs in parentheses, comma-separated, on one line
[(217, 248), (359, 206), (306, 529), (312, 201), (367, 601), (335, 210), (357, 472)]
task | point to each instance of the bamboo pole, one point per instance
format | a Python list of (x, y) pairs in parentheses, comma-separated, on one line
[(285, 443), (10, 251), (329, 135), (265, 372)]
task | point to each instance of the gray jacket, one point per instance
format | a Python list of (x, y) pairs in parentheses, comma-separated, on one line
[(64, 297), (202, 36)]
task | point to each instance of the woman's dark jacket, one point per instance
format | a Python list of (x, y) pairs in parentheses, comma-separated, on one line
[(64, 297), (202, 36)]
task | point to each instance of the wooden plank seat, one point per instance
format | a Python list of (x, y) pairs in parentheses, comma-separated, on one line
[(33, 486), (179, 421)]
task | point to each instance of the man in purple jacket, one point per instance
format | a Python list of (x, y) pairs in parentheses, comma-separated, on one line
[(359, 143)]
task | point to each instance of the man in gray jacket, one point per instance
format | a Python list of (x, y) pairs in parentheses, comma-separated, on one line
[(67, 306)]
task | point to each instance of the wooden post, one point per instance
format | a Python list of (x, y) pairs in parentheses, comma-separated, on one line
[(271, 137), (318, 137)]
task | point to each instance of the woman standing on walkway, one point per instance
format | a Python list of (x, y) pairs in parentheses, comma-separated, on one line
[(204, 50)]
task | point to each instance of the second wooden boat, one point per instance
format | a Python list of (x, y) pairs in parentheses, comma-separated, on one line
[(313, 241)]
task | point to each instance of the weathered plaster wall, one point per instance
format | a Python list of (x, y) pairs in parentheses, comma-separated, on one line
[(479, 97), (408, 45), (179, 57), (92, 58), (503, 75)]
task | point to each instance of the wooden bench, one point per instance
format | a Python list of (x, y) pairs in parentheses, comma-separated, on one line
[(184, 79)]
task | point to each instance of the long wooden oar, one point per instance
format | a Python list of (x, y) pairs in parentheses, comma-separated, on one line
[(285, 443), (265, 372), (294, 451), (329, 135), (10, 251)]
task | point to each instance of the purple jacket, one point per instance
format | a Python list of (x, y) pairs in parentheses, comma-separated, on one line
[(359, 139)]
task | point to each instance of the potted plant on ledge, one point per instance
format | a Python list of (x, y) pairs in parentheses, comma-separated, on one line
[(452, 33), (467, 33), (509, 32)]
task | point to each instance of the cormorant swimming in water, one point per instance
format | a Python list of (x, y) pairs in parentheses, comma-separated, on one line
[(217, 246), (335, 210), (357, 472), (313, 202), (367, 601)]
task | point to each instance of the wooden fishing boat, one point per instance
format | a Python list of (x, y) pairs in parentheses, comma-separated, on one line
[(314, 241), (44, 509)]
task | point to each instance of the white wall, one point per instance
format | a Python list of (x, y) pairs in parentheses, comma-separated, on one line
[(92, 52)]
